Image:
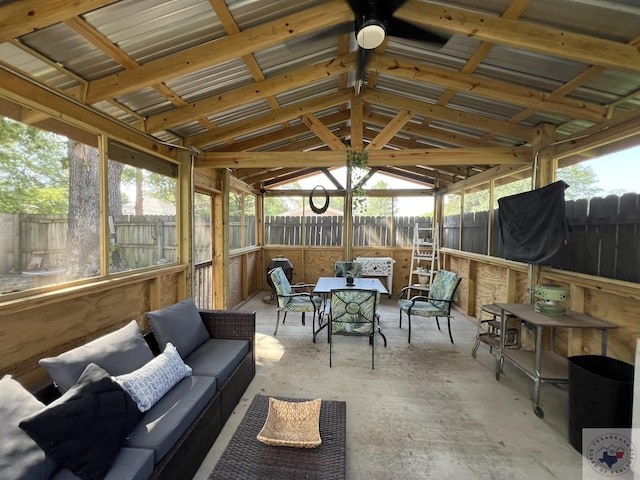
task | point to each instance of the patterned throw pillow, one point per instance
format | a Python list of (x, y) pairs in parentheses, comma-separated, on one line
[(152, 381)]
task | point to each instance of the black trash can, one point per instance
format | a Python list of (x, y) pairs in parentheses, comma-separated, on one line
[(600, 395)]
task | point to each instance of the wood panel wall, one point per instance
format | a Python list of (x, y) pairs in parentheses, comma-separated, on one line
[(311, 263), (488, 280), (51, 323), (245, 276)]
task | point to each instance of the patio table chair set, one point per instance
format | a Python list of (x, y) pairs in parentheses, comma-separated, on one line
[(354, 311)]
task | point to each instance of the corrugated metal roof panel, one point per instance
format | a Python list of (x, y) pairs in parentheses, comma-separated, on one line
[(612, 19), (422, 92), (239, 113), (38, 69), (308, 92), (531, 63), (116, 112), (453, 55), (250, 13), (484, 106), (211, 81), (296, 54), (189, 129), (149, 29), (65, 47)]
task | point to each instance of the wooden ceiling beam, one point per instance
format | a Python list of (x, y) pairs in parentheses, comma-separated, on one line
[(357, 125), (263, 121), (422, 131), (322, 131), (418, 174), (389, 131), (281, 135), (251, 93), (456, 117), (526, 36), (221, 50), (426, 157), (26, 16), (311, 143), (489, 88)]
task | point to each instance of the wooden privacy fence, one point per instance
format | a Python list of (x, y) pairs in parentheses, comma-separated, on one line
[(139, 240), (327, 230), (144, 240), (604, 236)]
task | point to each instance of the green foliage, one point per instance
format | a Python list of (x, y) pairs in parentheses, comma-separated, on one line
[(582, 181), (357, 168), (33, 170), (274, 206), (379, 206)]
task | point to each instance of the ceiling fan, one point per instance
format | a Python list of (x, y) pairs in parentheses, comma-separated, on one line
[(374, 21)]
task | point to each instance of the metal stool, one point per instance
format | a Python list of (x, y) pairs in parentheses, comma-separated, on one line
[(491, 336)]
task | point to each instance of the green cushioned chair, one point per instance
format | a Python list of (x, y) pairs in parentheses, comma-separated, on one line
[(294, 298), (344, 269), (436, 304), (353, 313)]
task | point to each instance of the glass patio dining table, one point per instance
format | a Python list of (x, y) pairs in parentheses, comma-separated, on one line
[(324, 285)]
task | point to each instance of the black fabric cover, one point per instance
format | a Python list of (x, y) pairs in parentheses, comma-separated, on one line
[(533, 225), (84, 429)]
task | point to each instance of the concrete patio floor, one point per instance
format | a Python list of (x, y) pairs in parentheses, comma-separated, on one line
[(428, 410)]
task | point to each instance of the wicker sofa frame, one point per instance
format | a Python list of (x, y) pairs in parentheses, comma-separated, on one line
[(185, 457)]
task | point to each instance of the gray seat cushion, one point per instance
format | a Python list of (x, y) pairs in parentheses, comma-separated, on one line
[(130, 464), (168, 419), (179, 324), (119, 352), (218, 358), (20, 457)]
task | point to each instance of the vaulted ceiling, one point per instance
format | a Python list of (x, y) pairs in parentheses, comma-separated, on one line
[(271, 88)]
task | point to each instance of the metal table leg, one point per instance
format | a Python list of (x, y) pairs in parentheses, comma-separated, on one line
[(501, 340), (537, 380)]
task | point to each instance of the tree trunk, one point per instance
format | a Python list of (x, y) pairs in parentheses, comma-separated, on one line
[(83, 251), (83, 245)]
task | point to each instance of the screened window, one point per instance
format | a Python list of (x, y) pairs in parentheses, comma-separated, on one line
[(242, 220), (602, 205), (452, 208), (49, 205), (142, 209), (475, 220)]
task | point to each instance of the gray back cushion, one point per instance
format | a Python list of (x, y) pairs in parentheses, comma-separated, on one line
[(20, 457), (179, 324), (119, 352)]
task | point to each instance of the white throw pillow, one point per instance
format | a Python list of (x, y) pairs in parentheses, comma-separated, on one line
[(152, 381)]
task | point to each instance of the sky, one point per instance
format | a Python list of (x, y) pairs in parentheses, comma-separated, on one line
[(618, 171)]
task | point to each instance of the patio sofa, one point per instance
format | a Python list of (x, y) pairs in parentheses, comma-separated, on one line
[(88, 437)]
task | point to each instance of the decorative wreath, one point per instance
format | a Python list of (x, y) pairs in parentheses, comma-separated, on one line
[(323, 208)]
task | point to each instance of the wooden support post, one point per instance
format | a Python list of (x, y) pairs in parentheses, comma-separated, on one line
[(575, 339)]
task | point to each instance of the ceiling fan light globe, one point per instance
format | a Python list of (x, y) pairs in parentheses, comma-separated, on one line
[(371, 35)]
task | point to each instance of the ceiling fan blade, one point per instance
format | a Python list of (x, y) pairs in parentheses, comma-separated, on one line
[(402, 29), (357, 6)]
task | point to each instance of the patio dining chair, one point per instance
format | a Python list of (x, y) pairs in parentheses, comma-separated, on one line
[(353, 313), (437, 303), (345, 269), (294, 298), (354, 269)]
